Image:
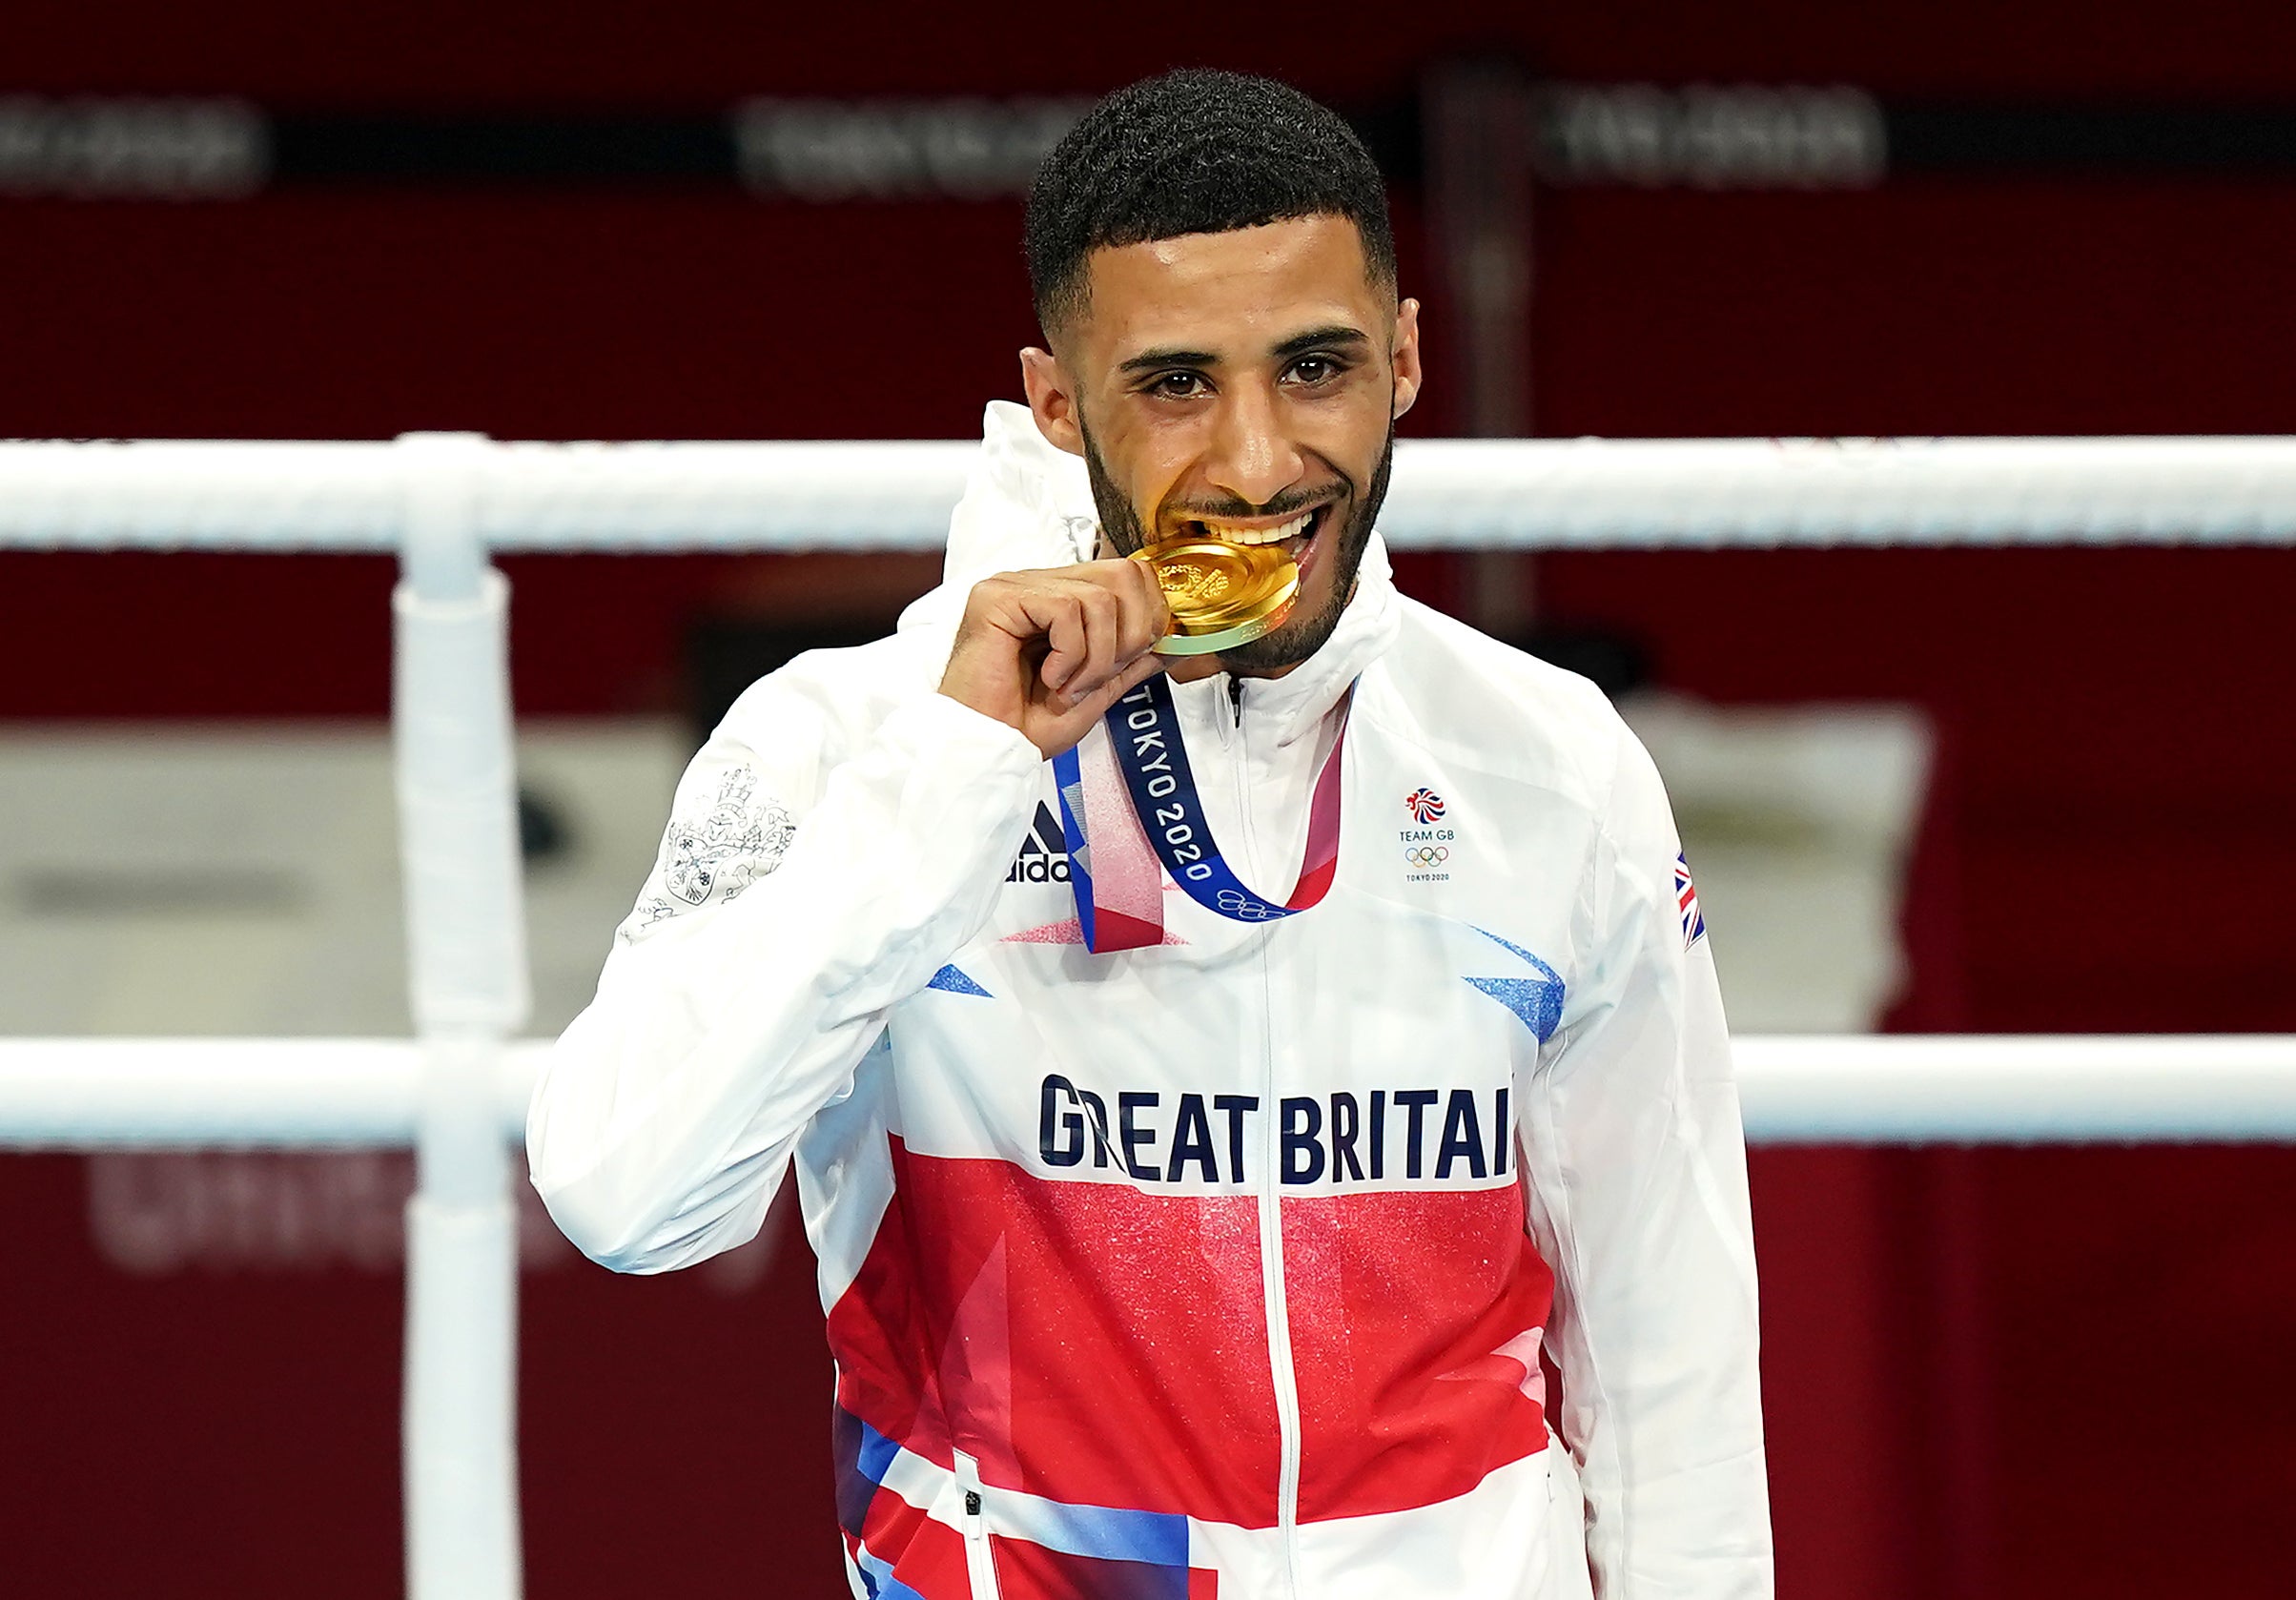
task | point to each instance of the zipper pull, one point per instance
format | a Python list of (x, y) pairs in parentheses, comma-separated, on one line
[(980, 1566), (1235, 697), (968, 1479)]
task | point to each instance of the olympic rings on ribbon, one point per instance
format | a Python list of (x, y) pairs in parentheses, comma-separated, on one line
[(1245, 909), (1427, 855)]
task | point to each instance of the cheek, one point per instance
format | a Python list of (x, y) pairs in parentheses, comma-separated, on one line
[(1155, 487), (1349, 430), (1143, 461), (1342, 548), (1363, 447)]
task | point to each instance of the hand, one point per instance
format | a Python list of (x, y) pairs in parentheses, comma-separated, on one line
[(1046, 653)]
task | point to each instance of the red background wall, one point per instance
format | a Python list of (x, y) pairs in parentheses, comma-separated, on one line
[(2000, 1373)]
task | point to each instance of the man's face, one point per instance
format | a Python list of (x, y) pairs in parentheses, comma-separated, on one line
[(1242, 386)]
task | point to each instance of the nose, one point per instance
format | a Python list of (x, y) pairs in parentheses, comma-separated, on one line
[(1253, 455)]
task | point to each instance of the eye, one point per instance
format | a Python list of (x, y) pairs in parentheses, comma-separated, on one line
[(1314, 371), (1176, 385)]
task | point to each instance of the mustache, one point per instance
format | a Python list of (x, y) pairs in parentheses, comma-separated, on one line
[(1289, 503)]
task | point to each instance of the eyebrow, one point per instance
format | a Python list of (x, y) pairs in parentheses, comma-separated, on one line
[(1157, 361), (1337, 333)]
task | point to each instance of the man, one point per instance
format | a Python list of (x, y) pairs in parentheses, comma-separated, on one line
[(1176, 1240)]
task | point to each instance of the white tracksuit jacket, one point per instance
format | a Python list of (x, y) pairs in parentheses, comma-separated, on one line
[(1219, 1269)]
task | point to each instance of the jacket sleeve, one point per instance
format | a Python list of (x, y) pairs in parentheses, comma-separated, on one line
[(1638, 1199), (805, 883)]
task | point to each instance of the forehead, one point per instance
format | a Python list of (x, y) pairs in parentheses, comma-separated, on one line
[(1216, 292)]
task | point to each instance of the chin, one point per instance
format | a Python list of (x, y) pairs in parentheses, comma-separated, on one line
[(1298, 639), (1305, 632)]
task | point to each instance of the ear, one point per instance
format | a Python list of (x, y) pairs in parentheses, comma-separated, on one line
[(1052, 399), (1406, 355)]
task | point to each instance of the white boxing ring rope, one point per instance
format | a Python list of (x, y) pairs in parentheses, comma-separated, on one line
[(1446, 494), (136, 1093), (457, 1094)]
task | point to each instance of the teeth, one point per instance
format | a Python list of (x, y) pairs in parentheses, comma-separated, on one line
[(1234, 535)]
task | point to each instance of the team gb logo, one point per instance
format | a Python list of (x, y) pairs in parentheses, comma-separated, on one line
[(1424, 806)]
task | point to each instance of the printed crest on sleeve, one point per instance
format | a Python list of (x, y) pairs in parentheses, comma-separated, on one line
[(740, 838)]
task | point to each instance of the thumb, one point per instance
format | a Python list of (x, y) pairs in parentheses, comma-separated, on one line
[(1147, 666), (1069, 727)]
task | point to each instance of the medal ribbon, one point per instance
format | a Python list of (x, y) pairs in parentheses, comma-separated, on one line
[(1119, 893)]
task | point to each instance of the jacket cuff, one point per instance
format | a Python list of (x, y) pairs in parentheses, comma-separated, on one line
[(938, 727)]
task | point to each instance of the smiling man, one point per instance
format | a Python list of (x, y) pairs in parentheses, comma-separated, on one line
[(1216, 1066), (1249, 383)]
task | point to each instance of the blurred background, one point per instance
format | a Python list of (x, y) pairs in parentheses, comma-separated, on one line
[(1952, 790)]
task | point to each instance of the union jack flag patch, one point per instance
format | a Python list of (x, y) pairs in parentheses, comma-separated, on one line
[(1685, 900)]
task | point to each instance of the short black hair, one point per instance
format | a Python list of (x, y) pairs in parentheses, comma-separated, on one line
[(1194, 152)]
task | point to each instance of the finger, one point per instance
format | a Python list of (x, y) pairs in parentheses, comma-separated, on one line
[(1082, 631), (1147, 613), (1126, 680), (1103, 641), (1084, 623), (1141, 616), (1055, 613)]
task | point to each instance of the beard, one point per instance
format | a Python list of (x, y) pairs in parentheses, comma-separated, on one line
[(1302, 635)]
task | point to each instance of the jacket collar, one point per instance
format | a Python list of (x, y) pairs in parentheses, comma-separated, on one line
[(1026, 504), (1296, 703)]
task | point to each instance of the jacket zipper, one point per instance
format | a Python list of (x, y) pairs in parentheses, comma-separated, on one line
[(980, 1569), (1275, 1301)]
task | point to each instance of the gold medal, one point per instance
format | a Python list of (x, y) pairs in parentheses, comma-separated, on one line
[(1220, 595)]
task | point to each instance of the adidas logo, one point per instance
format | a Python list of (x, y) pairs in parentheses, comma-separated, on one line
[(1043, 856)]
